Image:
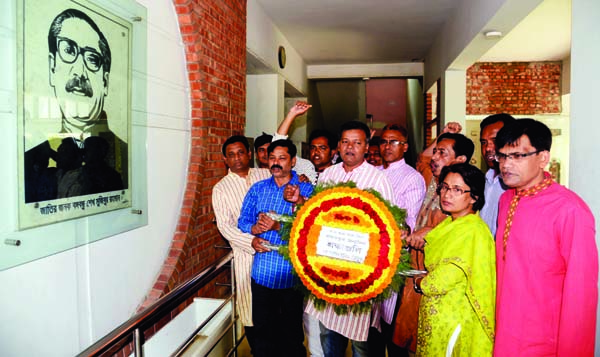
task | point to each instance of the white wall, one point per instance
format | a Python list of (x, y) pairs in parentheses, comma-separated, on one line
[(461, 42), (58, 305), (585, 76), (264, 103), (264, 38), (365, 70), (454, 97)]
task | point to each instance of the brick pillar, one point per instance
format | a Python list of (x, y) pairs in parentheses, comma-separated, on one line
[(214, 35)]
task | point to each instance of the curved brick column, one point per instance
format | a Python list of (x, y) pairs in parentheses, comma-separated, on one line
[(214, 35)]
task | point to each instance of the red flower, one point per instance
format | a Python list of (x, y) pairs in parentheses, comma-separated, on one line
[(300, 239)]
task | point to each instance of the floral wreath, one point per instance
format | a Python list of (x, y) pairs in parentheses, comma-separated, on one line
[(344, 244)]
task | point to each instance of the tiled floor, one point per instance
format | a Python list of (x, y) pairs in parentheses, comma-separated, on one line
[(244, 350)]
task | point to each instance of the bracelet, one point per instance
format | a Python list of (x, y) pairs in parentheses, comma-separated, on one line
[(416, 286)]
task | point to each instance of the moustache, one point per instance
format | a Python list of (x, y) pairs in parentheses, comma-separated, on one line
[(275, 166), (80, 84)]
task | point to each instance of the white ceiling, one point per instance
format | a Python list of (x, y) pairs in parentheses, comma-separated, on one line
[(544, 35), (359, 31), (387, 31)]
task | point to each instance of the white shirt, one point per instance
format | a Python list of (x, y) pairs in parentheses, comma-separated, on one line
[(492, 193), (227, 197)]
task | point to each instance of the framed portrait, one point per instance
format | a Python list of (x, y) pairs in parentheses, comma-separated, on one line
[(74, 111)]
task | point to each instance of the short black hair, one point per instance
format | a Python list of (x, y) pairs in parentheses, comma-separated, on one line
[(56, 27), (375, 141), (538, 133), (472, 176), (396, 127), (235, 139), (332, 139), (462, 145), (285, 143), (356, 125), (262, 140), (496, 118)]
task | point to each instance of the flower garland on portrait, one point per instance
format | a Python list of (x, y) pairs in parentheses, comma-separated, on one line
[(351, 283)]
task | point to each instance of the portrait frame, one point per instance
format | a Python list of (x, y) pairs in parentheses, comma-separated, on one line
[(21, 243), (56, 183)]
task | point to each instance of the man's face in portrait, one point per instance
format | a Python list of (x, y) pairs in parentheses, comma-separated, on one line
[(76, 73)]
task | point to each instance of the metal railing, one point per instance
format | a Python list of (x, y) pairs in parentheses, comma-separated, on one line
[(132, 331)]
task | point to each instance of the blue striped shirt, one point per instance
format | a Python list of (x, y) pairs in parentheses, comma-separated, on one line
[(270, 269)]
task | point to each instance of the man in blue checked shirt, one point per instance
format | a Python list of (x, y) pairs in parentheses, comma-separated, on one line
[(276, 306)]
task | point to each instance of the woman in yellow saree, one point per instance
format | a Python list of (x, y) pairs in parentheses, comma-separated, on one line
[(456, 315)]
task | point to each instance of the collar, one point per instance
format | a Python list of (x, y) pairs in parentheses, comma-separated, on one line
[(229, 172), (294, 180), (396, 164), (491, 177), (532, 191), (356, 169)]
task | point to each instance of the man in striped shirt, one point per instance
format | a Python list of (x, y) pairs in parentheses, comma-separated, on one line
[(227, 197), (409, 192), (336, 329), (408, 184), (276, 305)]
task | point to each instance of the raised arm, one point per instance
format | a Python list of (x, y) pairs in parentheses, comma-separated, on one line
[(297, 110), (451, 127)]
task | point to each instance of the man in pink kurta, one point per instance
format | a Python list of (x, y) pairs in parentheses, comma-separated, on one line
[(547, 260)]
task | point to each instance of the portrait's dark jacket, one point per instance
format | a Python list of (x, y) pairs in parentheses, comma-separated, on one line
[(50, 174)]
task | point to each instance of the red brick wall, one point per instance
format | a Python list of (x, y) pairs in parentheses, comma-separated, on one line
[(214, 35), (514, 88)]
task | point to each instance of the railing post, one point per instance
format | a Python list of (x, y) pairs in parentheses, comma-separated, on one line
[(132, 330), (138, 351), (233, 310)]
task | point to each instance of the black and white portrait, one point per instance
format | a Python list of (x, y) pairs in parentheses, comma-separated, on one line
[(76, 115)]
